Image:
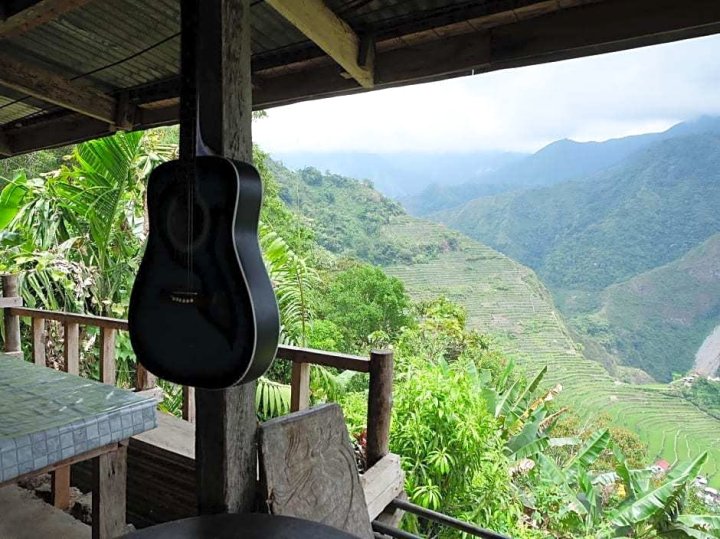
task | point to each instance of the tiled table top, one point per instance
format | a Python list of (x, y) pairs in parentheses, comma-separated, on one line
[(47, 416)]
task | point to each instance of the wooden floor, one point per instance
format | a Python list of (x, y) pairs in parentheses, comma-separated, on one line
[(25, 516)]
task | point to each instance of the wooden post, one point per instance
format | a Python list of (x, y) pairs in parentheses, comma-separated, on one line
[(144, 379), (225, 444), (107, 355), (60, 487), (12, 322), (188, 405), (71, 352), (300, 387), (379, 405), (38, 341), (108, 493)]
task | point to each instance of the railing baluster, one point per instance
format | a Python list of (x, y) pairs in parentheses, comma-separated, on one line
[(379, 405), (144, 379), (188, 405), (72, 347), (10, 320), (107, 355), (38, 341), (300, 387)]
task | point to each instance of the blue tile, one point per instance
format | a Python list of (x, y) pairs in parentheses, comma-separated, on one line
[(9, 458), (92, 431), (22, 440), (37, 437), (24, 454), (7, 444), (53, 443), (66, 440), (104, 427), (11, 472), (68, 416)]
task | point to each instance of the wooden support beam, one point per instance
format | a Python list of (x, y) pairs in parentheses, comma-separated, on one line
[(332, 34), (109, 493), (60, 487), (39, 13), (577, 31), (52, 88), (225, 443)]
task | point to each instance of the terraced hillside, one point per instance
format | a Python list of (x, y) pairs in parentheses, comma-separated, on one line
[(508, 301), (503, 298)]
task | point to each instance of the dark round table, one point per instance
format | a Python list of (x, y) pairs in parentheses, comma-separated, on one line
[(240, 526)]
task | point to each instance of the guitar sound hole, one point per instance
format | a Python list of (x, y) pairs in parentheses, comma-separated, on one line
[(177, 223)]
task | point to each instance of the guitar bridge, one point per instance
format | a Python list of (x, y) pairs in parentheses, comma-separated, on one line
[(184, 297)]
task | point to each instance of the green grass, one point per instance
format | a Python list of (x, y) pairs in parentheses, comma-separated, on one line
[(506, 300)]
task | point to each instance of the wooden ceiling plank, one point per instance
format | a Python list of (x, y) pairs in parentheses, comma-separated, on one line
[(37, 14), (55, 89), (329, 32)]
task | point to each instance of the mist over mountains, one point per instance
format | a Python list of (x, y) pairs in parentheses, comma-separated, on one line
[(402, 175), (593, 238)]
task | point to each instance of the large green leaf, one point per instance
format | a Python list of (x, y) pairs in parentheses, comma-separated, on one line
[(11, 199), (532, 386), (589, 452), (661, 500)]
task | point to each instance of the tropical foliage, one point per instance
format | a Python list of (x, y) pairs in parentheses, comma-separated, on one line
[(477, 439)]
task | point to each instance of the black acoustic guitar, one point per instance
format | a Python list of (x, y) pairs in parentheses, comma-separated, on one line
[(202, 311)]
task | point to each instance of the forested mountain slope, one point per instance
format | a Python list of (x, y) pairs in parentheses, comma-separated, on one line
[(584, 236), (504, 299), (663, 313), (557, 162)]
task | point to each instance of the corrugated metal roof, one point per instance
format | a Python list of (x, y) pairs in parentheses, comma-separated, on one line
[(99, 37), (131, 48)]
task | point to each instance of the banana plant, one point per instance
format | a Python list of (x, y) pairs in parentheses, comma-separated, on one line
[(577, 483), (656, 511)]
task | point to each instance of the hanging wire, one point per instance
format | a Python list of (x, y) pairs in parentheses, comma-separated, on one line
[(102, 68)]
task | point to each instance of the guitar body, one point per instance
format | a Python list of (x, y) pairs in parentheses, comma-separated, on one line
[(202, 311)]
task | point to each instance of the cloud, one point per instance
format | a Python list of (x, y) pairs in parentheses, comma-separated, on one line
[(523, 109)]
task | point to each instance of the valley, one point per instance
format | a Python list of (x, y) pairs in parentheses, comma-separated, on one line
[(630, 253), (504, 299)]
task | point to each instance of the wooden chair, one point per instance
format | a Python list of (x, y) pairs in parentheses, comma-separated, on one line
[(308, 470)]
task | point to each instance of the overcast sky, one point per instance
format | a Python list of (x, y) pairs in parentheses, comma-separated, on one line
[(593, 98)]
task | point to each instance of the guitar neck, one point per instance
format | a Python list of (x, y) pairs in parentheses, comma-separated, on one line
[(200, 67)]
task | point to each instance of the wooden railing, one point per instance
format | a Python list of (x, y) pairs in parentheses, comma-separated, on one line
[(379, 365)]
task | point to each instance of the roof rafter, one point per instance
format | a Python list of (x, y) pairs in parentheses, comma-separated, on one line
[(36, 14), (57, 90), (332, 34)]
